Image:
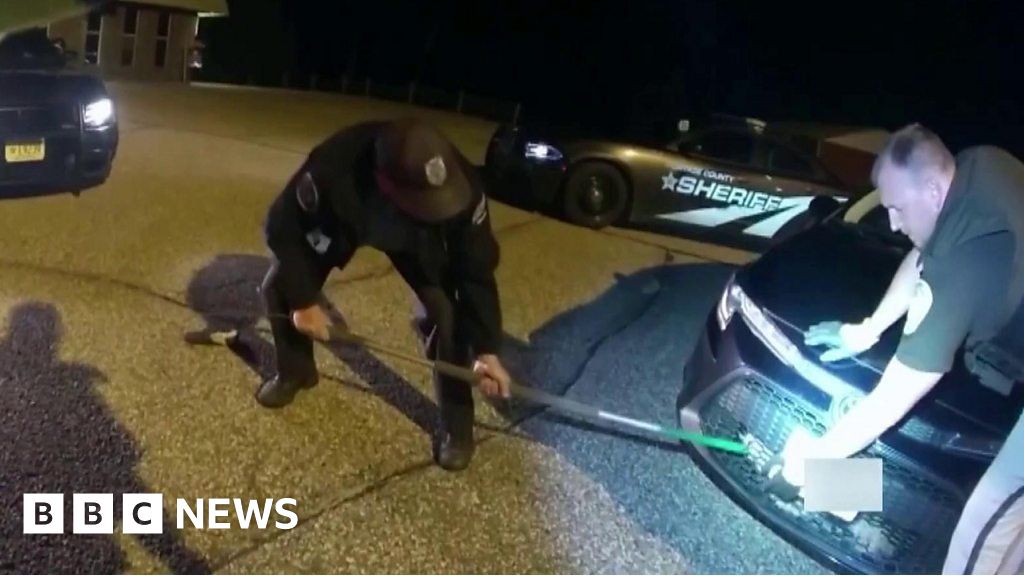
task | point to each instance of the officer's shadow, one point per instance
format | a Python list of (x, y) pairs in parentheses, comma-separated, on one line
[(226, 294), (59, 438)]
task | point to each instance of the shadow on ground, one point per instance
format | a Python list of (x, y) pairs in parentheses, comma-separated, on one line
[(225, 293), (59, 438), (37, 191), (623, 352)]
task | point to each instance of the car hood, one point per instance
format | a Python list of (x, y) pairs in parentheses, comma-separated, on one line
[(837, 271), (32, 87), (831, 272)]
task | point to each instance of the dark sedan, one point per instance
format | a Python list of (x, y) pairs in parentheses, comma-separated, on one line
[(752, 377), (736, 181), (58, 128)]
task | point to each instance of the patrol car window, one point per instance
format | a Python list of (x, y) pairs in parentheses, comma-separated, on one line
[(782, 159), (731, 147)]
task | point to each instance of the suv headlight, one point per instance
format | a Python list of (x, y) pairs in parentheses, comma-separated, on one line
[(99, 113)]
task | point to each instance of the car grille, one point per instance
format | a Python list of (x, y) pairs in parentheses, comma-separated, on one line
[(911, 535), (25, 121)]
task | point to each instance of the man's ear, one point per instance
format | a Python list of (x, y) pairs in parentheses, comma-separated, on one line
[(936, 193)]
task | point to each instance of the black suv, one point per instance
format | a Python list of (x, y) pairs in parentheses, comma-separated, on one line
[(58, 127)]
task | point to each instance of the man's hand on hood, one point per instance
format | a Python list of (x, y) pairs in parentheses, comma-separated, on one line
[(843, 340)]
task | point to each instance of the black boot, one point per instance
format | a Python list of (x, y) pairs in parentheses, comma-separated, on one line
[(279, 392), (454, 453), (455, 449)]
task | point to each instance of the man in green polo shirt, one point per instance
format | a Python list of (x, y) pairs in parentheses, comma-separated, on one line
[(960, 285)]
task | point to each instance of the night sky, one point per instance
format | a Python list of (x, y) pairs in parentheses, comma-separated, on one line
[(626, 66)]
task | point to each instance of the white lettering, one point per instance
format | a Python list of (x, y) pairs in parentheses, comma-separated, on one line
[(738, 196), (774, 202), (705, 188), (718, 176), (93, 514), (245, 514), (686, 184), (721, 193), (283, 511), (142, 513), (758, 200), (218, 509), (196, 517), (692, 170), (43, 514)]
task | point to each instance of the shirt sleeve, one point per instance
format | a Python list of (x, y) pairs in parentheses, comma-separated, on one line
[(296, 260), (955, 291), (475, 256)]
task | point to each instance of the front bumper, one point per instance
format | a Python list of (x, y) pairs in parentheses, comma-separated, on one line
[(74, 160), (724, 395)]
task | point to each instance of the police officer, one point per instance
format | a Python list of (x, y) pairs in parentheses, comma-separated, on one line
[(959, 285), (404, 189)]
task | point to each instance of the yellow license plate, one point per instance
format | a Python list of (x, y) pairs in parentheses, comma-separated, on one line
[(25, 151)]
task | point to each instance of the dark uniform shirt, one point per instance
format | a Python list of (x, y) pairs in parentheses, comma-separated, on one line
[(460, 253), (972, 267)]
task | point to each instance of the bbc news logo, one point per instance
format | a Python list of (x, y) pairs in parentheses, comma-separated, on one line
[(144, 513)]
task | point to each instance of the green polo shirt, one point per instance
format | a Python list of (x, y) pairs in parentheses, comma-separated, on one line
[(972, 269)]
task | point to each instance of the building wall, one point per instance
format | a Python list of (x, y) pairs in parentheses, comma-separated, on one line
[(113, 41)]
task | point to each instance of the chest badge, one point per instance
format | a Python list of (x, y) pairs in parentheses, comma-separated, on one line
[(318, 241)]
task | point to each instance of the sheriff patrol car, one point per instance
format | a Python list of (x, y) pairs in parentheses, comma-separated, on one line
[(736, 181)]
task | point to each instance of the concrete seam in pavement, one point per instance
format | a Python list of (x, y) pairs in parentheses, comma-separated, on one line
[(378, 484), (349, 496), (153, 293), (591, 354)]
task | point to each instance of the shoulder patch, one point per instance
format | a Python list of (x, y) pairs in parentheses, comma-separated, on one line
[(920, 305), (307, 193), (480, 213)]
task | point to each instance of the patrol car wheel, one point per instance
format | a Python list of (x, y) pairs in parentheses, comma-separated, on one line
[(595, 195)]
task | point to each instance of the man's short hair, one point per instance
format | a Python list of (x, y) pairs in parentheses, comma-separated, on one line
[(914, 148)]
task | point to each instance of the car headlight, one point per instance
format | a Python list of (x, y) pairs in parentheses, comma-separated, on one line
[(99, 113), (728, 303), (733, 299), (542, 151)]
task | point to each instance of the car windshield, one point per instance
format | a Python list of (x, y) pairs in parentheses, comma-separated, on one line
[(29, 50)]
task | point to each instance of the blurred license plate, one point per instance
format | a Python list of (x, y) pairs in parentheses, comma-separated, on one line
[(25, 151)]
